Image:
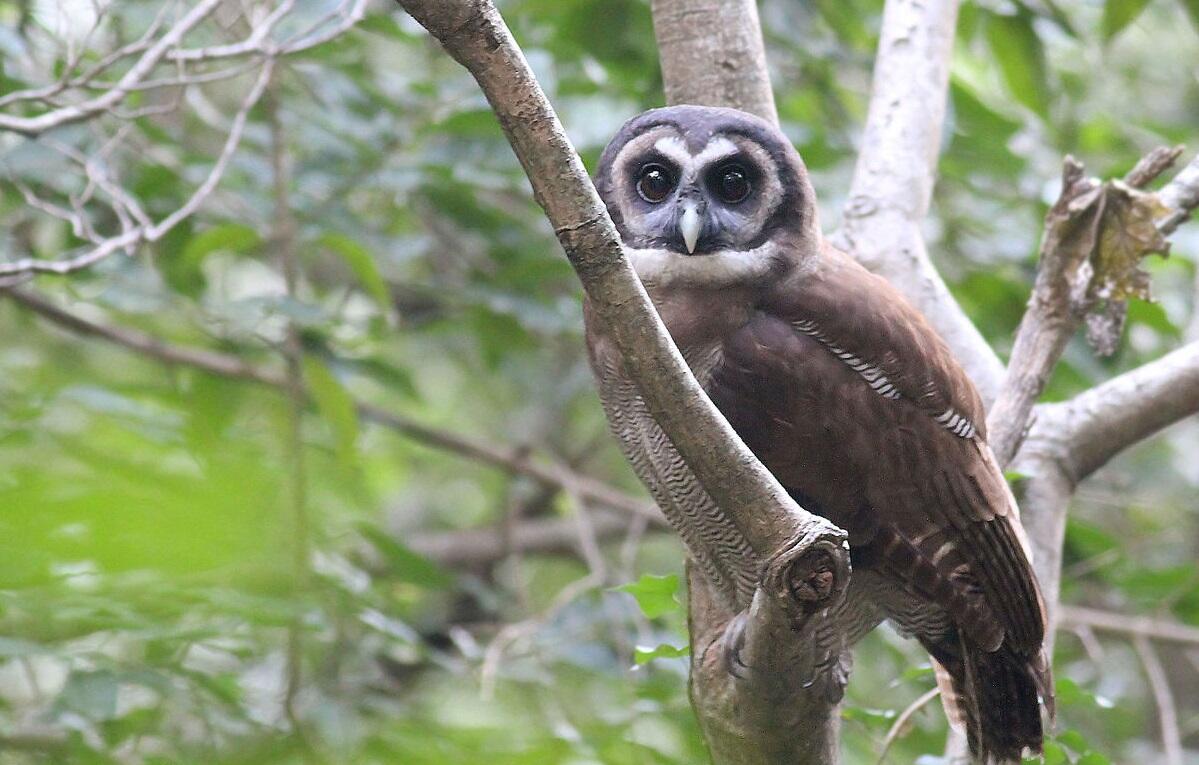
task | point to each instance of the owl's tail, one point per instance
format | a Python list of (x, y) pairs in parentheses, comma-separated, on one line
[(996, 696)]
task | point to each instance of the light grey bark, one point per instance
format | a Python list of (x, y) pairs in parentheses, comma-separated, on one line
[(896, 169), (712, 55)]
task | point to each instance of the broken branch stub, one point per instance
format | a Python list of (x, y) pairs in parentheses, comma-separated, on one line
[(1096, 236)]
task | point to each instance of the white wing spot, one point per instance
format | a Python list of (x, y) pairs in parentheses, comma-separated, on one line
[(873, 376), (949, 419)]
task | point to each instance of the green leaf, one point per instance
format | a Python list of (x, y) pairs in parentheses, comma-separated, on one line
[(644, 654), (360, 261), (1054, 754), (876, 717), (228, 237), (1117, 14), (1192, 9), (1074, 740), (1021, 58), (335, 406), (91, 694), (402, 563), (1093, 758), (656, 595)]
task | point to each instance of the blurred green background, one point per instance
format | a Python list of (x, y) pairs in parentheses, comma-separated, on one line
[(151, 608)]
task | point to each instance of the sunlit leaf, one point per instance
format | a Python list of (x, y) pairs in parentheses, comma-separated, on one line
[(1074, 740), (359, 259), (1054, 754), (656, 595), (1118, 14), (645, 654), (335, 405), (1021, 58)]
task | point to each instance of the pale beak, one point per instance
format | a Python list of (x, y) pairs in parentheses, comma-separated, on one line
[(689, 227)]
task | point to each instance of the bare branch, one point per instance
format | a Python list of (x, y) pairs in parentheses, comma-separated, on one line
[(1093, 427), (893, 180), (252, 44), (712, 54), (902, 720), (1166, 711), (1162, 630), (1095, 235), (514, 461), (10, 272), (1181, 196), (32, 126), (482, 547)]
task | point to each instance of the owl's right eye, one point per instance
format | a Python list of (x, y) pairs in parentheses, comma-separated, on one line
[(654, 183)]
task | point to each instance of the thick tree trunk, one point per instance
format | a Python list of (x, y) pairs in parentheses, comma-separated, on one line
[(712, 55)]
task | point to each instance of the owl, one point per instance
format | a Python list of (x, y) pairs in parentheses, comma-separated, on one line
[(844, 392)]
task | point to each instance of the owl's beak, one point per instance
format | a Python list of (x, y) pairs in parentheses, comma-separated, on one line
[(690, 227)]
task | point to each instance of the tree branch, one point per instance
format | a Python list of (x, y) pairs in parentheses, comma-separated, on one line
[(516, 461), (10, 273), (1077, 272), (893, 179), (712, 55), (1096, 425), (32, 126), (1167, 713), (1161, 630)]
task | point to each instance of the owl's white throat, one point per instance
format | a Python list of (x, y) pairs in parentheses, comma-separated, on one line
[(723, 268)]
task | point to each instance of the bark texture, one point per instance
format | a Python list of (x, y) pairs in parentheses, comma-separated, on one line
[(712, 55), (896, 169)]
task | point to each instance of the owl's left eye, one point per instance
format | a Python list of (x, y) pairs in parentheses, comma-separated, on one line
[(655, 183), (731, 183)]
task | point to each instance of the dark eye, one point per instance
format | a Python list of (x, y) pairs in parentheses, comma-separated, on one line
[(732, 183), (655, 183)]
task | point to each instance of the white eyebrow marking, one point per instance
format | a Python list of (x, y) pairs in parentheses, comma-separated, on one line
[(718, 148), (673, 148)]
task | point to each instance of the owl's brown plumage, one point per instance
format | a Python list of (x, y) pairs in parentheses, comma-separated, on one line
[(841, 388)]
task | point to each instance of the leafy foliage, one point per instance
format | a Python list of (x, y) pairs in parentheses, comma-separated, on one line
[(150, 606)]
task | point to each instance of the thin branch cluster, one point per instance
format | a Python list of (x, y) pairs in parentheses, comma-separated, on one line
[(161, 70)]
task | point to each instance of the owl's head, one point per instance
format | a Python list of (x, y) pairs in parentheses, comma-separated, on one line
[(707, 196)]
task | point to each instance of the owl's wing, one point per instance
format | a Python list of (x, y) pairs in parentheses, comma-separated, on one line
[(853, 401)]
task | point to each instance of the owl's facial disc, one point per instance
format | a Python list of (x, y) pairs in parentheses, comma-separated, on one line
[(704, 197)]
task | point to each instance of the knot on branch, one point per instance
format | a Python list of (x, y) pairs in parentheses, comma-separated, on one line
[(809, 573)]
